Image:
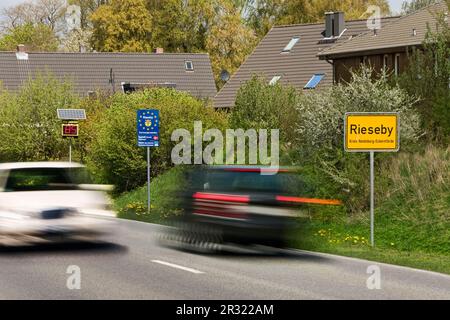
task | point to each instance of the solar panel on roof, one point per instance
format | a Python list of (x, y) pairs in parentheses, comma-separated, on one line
[(314, 81), (71, 114)]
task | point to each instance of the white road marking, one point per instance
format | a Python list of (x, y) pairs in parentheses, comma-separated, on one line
[(177, 266)]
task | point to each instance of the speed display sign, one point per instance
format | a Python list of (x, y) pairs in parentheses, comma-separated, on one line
[(70, 130)]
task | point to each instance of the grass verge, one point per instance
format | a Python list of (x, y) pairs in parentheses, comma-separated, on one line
[(354, 242), (164, 203)]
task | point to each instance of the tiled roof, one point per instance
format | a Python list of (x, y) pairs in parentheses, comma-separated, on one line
[(409, 30), (91, 71), (296, 67)]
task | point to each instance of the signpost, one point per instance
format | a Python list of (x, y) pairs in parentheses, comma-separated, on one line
[(69, 128), (372, 132), (147, 124)]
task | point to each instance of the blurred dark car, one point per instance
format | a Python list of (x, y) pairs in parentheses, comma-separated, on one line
[(241, 205)]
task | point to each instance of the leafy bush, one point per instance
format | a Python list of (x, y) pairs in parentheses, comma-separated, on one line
[(260, 105), (29, 127), (322, 112), (320, 133), (37, 37), (113, 155), (428, 76)]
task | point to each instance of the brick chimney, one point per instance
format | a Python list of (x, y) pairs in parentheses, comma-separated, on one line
[(159, 50)]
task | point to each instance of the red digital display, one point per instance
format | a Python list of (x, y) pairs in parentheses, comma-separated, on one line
[(70, 130)]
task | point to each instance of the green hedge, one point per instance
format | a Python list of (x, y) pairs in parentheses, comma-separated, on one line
[(113, 155)]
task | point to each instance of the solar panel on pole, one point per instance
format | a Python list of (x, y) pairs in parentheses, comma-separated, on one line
[(71, 114)]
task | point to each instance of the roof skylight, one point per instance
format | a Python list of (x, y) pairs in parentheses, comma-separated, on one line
[(274, 80), (291, 44), (189, 66)]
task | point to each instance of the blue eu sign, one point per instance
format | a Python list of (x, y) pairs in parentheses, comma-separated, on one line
[(148, 128)]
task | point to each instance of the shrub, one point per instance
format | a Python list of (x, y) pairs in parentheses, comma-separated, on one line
[(320, 132), (427, 77), (29, 127), (260, 105), (322, 112), (113, 155)]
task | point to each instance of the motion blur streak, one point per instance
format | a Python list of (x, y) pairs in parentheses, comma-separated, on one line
[(308, 200), (239, 205), (221, 197), (261, 170), (51, 202)]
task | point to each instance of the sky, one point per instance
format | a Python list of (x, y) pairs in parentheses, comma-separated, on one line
[(395, 4)]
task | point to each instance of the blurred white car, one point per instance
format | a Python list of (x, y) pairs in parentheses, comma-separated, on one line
[(51, 201)]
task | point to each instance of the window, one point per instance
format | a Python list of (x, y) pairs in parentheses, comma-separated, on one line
[(189, 65), (397, 64), (291, 44), (274, 80), (44, 179), (314, 81)]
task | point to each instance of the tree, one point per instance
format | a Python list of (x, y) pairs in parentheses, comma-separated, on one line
[(414, 5), (309, 11), (428, 76), (122, 25), (37, 37), (48, 12), (229, 41), (263, 14), (78, 40), (182, 26), (15, 16)]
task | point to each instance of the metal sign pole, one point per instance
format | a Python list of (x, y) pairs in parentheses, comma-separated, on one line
[(147, 127), (372, 183), (148, 180), (372, 132), (70, 149)]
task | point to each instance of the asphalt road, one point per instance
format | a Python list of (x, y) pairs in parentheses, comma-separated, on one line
[(135, 266)]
